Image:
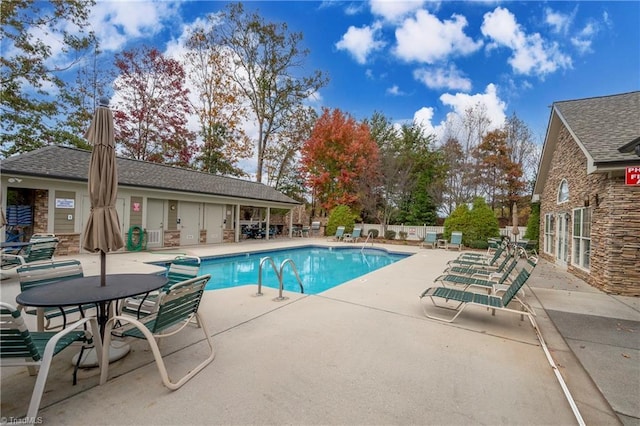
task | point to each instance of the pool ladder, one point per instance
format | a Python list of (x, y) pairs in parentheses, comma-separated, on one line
[(279, 275)]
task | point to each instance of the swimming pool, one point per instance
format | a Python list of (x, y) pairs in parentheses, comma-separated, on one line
[(319, 268)]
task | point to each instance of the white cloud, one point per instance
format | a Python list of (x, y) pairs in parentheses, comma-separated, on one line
[(360, 42), (562, 23), (531, 54), (427, 39), (495, 107), (395, 91), (559, 22), (583, 39), (117, 23), (423, 117), (443, 78), (458, 103), (393, 10)]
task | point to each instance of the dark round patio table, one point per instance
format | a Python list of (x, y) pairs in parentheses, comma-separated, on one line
[(87, 290)]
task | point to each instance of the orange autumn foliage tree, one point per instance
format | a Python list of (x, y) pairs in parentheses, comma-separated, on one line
[(340, 161)]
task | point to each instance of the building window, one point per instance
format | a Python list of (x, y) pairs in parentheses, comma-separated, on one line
[(563, 192), (581, 237), (548, 233)]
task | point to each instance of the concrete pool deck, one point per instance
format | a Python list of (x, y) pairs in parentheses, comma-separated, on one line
[(361, 353)]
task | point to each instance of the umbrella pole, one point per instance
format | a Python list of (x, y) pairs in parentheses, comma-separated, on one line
[(103, 268)]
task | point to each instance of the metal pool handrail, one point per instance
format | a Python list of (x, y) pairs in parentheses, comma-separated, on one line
[(365, 242), (273, 265), (295, 271), (279, 275)]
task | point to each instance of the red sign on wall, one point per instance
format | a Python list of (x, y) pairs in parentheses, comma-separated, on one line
[(633, 176)]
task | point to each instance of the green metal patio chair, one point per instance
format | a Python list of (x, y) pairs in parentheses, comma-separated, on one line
[(41, 249), (181, 268), (19, 347), (45, 273), (176, 308)]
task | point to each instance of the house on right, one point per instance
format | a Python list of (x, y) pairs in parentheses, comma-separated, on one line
[(588, 186)]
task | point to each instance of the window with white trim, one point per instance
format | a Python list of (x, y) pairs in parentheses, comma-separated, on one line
[(549, 232), (581, 237), (563, 192)]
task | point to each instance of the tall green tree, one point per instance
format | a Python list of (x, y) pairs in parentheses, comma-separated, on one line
[(33, 70), (269, 69), (425, 167)]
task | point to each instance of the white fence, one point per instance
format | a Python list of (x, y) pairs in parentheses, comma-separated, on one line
[(417, 233)]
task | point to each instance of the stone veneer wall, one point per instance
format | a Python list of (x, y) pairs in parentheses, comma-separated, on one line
[(41, 211), (69, 244), (171, 238), (620, 236), (228, 235), (615, 222)]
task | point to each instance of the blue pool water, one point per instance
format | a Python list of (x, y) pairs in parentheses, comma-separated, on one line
[(319, 268)]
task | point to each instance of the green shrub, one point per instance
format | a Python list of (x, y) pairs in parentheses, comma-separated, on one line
[(403, 235), (457, 221), (340, 216), (477, 224), (389, 235), (373, 232), (479, 244)]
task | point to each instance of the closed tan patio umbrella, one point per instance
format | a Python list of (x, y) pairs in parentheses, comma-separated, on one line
[(102, 232), (515, 231)]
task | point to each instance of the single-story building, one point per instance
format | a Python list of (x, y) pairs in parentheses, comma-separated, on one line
[(45, 190), (588, 190)]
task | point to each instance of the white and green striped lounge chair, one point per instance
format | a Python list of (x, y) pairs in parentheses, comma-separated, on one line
[(478, 280), (21, 348), (469, 298), (480, 269), (176, 308), (479, 259)]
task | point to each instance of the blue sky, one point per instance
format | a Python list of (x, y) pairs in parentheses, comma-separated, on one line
[(428, 60)]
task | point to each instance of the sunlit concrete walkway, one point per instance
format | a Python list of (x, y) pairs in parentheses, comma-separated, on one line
[(361, 353)]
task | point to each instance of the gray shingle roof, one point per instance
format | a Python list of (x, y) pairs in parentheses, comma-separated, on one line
[(59, 162), (603, 124)]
